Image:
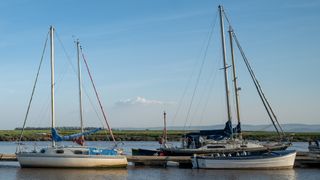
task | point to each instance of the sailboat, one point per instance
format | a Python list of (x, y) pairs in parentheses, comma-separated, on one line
[(230, 138), (57, 156)]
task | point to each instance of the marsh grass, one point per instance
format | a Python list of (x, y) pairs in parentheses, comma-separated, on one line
[(147, 135)]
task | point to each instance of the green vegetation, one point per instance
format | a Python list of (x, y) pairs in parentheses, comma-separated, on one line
[(144, 135), (121, 135), (272, 136)]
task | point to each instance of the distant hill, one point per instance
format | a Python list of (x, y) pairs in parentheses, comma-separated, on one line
[(245, 127)]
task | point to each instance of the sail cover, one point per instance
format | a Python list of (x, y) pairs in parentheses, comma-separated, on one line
[(237, 129), (57, 137), (226, 132), (218, 134), (98, 151)]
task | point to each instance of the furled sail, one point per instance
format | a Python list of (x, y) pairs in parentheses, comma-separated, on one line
[(219, 134), (237, 129), (226, 132), (57, 137)]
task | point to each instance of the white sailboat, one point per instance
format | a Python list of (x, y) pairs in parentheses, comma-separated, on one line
[(75, 156), (271, 160), (230, 138), (238, 157)]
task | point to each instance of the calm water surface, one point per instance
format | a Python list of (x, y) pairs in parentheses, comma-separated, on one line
[(11, 170)]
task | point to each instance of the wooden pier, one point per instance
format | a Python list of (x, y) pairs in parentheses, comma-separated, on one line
[(8, 157), (306, 159), (303, 159)]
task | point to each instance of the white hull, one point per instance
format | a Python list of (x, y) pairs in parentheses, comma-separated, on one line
[(280, 162), (70, 157), (84, 161)]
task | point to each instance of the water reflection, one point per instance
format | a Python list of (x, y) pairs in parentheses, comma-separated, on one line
[(12, 170), (151, 173), (251, 174), (77, 174), (188, 174)]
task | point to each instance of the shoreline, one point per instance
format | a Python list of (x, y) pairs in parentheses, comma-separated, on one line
[(149, 135)]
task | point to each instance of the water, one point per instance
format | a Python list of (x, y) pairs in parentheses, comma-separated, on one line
[(11, 170), (149, 173)]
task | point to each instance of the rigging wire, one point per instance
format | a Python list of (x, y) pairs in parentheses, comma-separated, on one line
[(32, 93), (45, 107), (255, 83), (194, 92), (210, 86), (94, 109), (261, 94), (41, 115), (96, 113), (66, 54), (97, 96), (190, 78), (207, 98), (206, 91), (75, 72), (61, 77), (218, 64), (181, 98), (199, 75)]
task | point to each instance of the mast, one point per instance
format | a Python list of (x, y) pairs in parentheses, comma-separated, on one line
[(52, 80), (235, 83), (80, 87), (224, 62), (164, 127)]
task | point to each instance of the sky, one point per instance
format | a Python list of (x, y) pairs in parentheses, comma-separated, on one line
[(146, 56)]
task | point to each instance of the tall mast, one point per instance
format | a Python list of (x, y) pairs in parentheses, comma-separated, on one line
[(224, 62), (164, 127), (80, 86), (52, 80), (235, 82)]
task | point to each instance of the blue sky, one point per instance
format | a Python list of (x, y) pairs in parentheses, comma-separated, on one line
[(143, 54)]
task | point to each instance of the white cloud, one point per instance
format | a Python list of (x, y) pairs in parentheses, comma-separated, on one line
[(140, 101)]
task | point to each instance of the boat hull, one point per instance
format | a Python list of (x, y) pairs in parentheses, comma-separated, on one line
[(277, 162), (84, 161), (314, 149), (144, 152), (191, 152)]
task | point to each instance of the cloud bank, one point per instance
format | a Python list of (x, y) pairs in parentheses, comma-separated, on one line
[(140, 101)]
